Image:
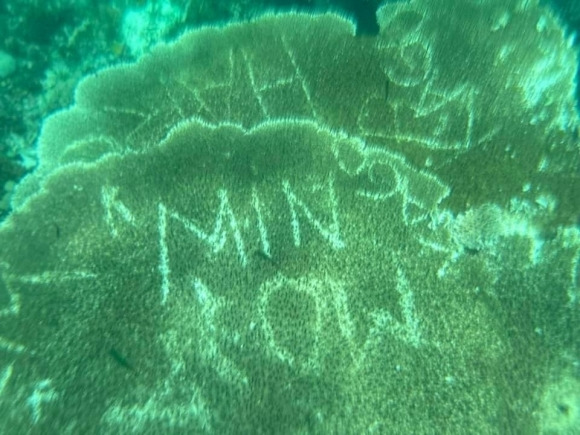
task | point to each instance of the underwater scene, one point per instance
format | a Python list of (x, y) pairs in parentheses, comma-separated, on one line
[(289, 217)]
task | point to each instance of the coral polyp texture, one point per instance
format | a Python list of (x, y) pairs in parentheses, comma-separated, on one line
[(278, 227)]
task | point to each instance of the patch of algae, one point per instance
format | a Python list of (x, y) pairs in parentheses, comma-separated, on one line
[(560, 406)]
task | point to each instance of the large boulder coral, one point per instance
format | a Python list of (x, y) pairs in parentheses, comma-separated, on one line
[(277, 226)]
